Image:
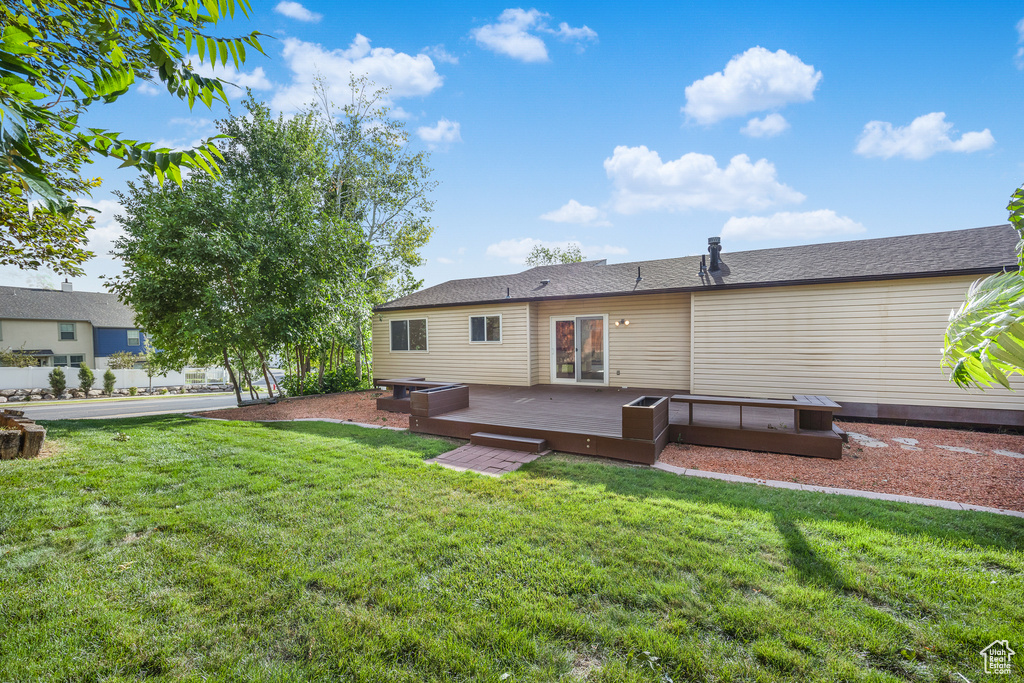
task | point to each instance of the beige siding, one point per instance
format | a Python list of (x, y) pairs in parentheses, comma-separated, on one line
[(450, 356), (652, 352), (877, 342), (43, 334)]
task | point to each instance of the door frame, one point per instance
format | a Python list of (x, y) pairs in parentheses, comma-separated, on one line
[(551, 349)]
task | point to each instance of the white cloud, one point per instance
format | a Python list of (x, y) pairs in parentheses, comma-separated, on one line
[(768, 127), (510, 36), (926, 135), (516, 251), (105, 229), (580, 214), (195, 122), (566, 32), (440, 54), (444, 260), (789, 225), (295, 10), (515, 34), (1019, 57), (753, 81), (236, 81), (441, 135), (643, 182), (405, 74), (147, 88)]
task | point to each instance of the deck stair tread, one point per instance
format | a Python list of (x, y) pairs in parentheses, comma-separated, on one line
[(516, 443)]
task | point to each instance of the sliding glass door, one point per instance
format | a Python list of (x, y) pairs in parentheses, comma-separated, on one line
[(579, 349)]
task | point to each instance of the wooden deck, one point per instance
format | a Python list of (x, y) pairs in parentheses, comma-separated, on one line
[(589, 420)]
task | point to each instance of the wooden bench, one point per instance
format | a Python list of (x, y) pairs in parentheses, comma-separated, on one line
[(806, 414), (812, 433), (399, 401)]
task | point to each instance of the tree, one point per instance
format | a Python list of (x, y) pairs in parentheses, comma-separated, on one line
[(231, 269), (547, 256), (380, 185), (109, 381), (57, 239), (124, 360), (985, 338), (59, 57), (58, 382), (11, 358), (85, 378)]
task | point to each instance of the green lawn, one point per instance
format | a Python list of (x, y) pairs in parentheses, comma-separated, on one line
[(305, 551)]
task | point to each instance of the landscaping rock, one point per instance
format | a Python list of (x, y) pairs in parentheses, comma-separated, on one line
[(16, 398), (1009, 454), (3, 399), (66, 396), (867, 441), (958, 449), (95, 392), (48, 397), (8, 392)]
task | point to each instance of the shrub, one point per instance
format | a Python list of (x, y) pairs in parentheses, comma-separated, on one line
[(132, 391), (58, 382), (109, 380), (163, 392), (342, 379), (85, 378)]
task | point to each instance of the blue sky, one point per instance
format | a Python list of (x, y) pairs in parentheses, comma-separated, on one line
[(639, 131)]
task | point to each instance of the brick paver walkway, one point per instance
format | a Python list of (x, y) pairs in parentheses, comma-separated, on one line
[(484, 459)]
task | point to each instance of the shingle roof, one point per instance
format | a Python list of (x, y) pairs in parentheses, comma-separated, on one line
[(98, 308), (958, 252)]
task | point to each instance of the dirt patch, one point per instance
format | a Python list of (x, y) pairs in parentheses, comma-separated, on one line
[(907, 461), (358, 406)]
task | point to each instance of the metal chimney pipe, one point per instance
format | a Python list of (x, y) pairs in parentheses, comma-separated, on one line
[(715, 248)]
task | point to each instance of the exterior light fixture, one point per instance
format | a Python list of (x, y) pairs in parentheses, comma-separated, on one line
[(621, 321)]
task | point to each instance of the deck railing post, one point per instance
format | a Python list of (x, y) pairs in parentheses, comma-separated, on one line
[(741, 417), (690, 423)]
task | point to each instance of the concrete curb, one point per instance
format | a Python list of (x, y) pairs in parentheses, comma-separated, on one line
[(304, 419), (735, 478)]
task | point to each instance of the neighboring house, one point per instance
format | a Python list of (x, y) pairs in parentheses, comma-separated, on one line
[(861, 322), (66, 328)]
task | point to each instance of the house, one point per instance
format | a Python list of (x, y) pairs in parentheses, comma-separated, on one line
[(66, 328), (860, 322)]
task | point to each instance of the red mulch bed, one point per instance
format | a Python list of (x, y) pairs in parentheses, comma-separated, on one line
[(982, 479), (359, 406)]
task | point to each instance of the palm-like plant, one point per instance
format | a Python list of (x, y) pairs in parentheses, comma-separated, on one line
[(985, 338)]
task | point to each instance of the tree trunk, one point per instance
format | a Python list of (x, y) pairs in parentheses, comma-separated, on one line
[(359, 350), (231, 374), (266, 374)]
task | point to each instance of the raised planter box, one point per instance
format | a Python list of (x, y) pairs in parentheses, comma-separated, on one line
[(645, 418), (438, 400)]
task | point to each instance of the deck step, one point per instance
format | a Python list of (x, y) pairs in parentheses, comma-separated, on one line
[(841, 433), (512, 443)]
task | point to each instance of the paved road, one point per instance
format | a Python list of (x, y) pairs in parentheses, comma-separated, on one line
[(128, 407)]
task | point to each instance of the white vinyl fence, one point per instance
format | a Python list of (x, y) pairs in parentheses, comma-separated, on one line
[(39, 378)]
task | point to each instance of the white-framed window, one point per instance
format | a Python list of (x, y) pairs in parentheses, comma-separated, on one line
[(66, 332), (134, 338), (485, 329), (71, 361), (409, 335)]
